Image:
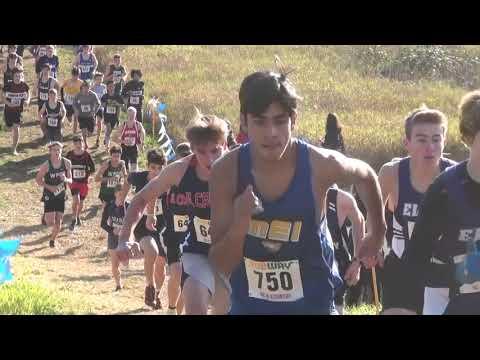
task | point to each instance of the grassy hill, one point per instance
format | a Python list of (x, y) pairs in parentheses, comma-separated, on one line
[(370, 88)]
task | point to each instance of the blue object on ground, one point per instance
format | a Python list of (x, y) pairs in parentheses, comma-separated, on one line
[(7, 249)]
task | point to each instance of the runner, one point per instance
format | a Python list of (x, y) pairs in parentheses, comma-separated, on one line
[(131, 135), (39, 52), (52, 176), (12, 50), (118, 73), (343, 213), (111, 173), (45, 83), (100, 89), (447, 231), (134, 92), (87, 63), (51, 116), (11, 65), (16, 96), (112, 221), (149, 241), (51, 59), (69, 91), (188, 203), (404, 183), (82, 167), (281, 258), (86, 105), (111, 104)]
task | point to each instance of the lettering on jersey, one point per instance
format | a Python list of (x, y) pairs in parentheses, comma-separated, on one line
[(85, 108), (199, 200), (117, 221), (276, 281), (276, 230), (467, 235), (410, 210)]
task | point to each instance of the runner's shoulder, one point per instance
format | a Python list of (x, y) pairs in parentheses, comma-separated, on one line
[(390, 169)]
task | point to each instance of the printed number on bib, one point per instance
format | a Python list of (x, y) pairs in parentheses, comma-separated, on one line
[(68, 99), (16, 102), (277, 281), (134, 100), (52, 122), (60, 189), (112, 182), (43, 96), (129, 141), (180, 223), (202, 229), (111, 110), (85, 108), (78, 173)]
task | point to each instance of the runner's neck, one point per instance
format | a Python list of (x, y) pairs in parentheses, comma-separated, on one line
[(270, 166)]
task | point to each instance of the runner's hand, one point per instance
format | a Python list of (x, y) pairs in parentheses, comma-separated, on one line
[(151, 223), (246, 204), (352, 275), (368, 251)]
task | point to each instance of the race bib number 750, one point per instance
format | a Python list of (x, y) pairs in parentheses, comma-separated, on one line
[(277, 281)]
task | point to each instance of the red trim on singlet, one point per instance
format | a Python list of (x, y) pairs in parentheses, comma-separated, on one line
[(137, 134)]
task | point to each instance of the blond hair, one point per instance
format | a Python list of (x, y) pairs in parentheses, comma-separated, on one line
[(206, 128)]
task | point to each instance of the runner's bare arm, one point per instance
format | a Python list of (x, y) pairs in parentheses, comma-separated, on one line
[(68, 171), (42, 111), (115, 137), (63, 112), (348, 206), (230, 216), (27, 100), (331, 166), (95, 63), (77, 60), (386, 177), (56, 86), (170, 176)]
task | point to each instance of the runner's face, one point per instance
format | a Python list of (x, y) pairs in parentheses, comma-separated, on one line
[(55, 152), (131, 115), (78, 145), (49, 52), (84, 90), (118, 196), (136, 77), (75, 77), (110, 88), (116, 61), (46, 72), (207, 153), (426, 143), (270, 132), (116, 158), (155, 169), (52, 97)]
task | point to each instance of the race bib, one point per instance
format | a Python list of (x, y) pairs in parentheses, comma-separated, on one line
[(60, 189), (79, 173), (117, 76), (43, 96), (180, 223), (68, 99), (16, 102), (112, 182), (276, 281), (111, 110), (129, 141), (202, 229), (85, 108), (53, 122), (134, 100), (84, 68)]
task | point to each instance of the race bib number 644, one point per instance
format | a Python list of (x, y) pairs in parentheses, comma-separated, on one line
[(277, 281)]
